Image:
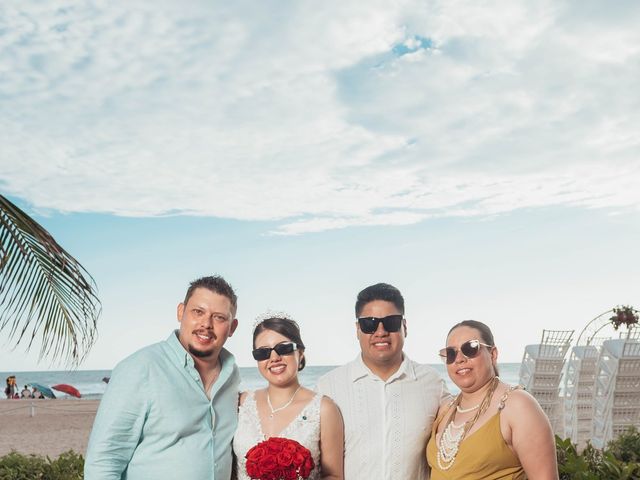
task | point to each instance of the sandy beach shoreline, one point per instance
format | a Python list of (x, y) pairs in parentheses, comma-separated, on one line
[(56, 426)]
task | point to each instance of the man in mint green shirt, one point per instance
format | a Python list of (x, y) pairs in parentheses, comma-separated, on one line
[(170, 409)]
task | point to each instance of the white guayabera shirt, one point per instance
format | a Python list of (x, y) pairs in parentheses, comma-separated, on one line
[(387, 424)]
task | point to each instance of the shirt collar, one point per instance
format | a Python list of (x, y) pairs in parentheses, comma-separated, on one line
[(178, 350), (227, 360), (359, 370)]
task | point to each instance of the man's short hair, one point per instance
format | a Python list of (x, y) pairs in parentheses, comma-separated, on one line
[(380, 291), (216, 284)]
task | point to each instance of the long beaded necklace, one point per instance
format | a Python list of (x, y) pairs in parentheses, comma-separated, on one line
[(453, 433), (275, 410)]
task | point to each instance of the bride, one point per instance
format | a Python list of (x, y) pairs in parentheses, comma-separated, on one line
[(285, 408)]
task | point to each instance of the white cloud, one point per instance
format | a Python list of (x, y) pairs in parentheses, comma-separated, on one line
[(304, 113)]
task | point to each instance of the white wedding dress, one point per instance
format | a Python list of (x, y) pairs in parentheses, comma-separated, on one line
[(304, 429)]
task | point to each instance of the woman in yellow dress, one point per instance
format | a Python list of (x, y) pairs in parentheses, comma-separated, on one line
[(490, 430)]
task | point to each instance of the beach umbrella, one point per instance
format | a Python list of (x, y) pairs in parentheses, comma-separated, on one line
[(69, 389), (46, 391)]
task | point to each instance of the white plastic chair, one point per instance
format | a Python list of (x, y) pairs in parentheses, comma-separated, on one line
[(616, 404), (541, 370), (579, 386)]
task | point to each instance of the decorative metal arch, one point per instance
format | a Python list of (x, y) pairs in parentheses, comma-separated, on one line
[(590, 332)]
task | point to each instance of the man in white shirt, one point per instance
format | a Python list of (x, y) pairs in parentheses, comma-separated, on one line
[(388, 401)]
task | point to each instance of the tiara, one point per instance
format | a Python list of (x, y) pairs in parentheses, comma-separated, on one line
[(270, 314)]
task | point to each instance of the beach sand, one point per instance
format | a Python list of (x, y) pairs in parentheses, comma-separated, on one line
[(57, 426)]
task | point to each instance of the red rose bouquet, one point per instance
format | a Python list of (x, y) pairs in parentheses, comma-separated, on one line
[(279, 459)]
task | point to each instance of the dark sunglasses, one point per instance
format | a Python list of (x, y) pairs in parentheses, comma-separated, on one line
[(391, 323), (469, 349), (263, 353)]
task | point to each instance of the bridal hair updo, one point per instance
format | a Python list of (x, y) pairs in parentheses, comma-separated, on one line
[(283, 325), (485, 335)]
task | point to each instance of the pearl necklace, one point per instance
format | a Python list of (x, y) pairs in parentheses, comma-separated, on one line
[(275, 410), (449, 445), (467, 410)]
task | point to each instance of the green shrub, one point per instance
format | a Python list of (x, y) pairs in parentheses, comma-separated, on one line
[(595, 464), (16, 466), (626, 447), (68, 466)]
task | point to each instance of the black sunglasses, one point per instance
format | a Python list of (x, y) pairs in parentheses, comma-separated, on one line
[(469, 349), (391, 323), (285, 348)]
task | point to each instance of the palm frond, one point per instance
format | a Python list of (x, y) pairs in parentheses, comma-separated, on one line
[(45, 293)]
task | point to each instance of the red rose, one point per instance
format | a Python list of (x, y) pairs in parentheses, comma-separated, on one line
[(253, 470), (274, 446), (298, 459), (290, 474), (290, 447), (268, 463), (255, 453), (284, 458), (305, 470)]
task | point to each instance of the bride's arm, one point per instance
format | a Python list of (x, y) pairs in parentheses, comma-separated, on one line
[(331, 440)]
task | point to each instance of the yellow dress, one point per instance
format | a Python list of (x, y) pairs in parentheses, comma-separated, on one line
[(483, 455)]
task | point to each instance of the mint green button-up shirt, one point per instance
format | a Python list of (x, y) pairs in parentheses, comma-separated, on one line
[(155, 420)]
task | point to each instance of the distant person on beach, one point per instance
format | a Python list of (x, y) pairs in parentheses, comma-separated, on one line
[(170, 409), (491, 429), (285, 408), (388, 401), (37, 393), (11, 388), (26, 393)]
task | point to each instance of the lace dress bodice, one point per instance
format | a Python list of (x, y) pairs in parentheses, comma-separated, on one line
[(304, 429)]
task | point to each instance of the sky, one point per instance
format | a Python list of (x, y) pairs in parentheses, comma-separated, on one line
[(482, 157)]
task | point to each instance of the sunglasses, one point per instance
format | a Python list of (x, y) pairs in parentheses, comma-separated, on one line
[(263, 353), (391, 323), (469, 349)]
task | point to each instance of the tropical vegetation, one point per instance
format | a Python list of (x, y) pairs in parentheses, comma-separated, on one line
[(619, 461), (46, 295), (15, 466)]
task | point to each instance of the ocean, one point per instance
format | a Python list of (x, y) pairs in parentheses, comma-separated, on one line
[(91, 386)]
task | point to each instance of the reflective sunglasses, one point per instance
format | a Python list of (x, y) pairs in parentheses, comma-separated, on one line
[(263, 353), (469, 349), (391, 323)]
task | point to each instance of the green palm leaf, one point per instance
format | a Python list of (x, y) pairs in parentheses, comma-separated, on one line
[(45, 293)]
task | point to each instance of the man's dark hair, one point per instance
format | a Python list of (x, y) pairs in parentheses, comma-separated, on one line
[(284, 326), (380, 291), (217, 285), (485, 333)]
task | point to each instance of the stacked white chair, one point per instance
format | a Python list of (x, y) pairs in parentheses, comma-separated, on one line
[(616, 405), (579, 383), (541, 370)]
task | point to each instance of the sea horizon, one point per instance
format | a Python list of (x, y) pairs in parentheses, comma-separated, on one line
[(91, 385)]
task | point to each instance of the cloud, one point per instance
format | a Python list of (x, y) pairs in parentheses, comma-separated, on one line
[(320, 116)]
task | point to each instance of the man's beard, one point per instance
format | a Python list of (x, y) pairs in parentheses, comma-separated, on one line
[(201, 353)]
